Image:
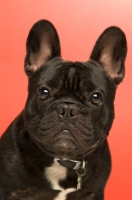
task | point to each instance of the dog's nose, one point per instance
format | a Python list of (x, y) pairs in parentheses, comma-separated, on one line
[(67, 111)]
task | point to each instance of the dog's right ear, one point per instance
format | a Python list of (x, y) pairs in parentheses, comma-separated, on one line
[(42, 45), (110, 51)]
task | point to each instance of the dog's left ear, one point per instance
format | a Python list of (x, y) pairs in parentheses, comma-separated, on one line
[(42, 45), (110, 51)]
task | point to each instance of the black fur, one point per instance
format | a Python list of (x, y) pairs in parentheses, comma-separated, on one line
[(68, 114)]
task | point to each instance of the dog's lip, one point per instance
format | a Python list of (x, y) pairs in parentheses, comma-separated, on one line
[(64, 134), (65, 131)]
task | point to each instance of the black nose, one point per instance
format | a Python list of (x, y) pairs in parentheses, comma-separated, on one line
[(68, 111)]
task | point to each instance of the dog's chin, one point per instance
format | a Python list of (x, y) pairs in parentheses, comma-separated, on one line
[(66, 147), (64, 144)]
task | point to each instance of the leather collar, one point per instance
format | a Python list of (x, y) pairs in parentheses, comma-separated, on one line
[(70, 164)]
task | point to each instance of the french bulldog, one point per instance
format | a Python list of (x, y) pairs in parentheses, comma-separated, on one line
[(56, 148)]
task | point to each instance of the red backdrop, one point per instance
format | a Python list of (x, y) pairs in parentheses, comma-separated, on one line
[(79, 23)]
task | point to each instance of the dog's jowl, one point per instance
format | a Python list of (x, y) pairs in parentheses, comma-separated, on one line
[(56, 149)]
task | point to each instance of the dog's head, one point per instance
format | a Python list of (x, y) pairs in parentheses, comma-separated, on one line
[(69, 110)]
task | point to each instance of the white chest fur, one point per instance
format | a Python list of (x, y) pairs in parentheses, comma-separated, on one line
[(54, 174)]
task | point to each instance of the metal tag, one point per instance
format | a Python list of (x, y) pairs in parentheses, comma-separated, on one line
[(81, 171), (79, 182)]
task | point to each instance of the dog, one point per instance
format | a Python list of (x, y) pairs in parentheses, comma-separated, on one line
[(56, 148)]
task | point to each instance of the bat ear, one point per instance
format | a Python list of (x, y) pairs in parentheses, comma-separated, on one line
[(110, 51), (42, 45)]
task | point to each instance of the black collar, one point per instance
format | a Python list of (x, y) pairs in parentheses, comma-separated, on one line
[(70, 164)]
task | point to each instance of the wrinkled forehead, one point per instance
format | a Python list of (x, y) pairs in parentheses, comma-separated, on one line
[(70, 74)]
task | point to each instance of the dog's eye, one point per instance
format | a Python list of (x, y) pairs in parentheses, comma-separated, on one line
[(96, 99), (43, 93)]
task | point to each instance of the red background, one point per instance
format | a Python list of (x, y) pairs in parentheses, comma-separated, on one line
[(79, 23)]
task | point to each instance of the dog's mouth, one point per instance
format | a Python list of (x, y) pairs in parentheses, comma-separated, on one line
[(67, 143), (65, 146)]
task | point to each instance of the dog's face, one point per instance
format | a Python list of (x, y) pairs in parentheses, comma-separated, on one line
[(69, 110)]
